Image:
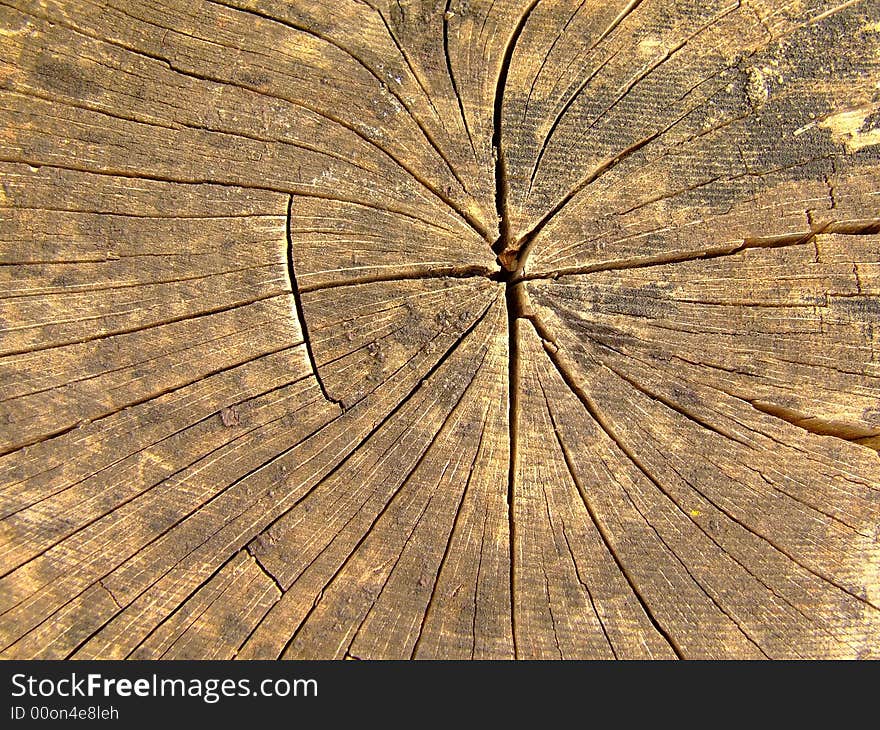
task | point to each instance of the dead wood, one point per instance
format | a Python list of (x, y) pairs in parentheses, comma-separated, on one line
[(460, 329)]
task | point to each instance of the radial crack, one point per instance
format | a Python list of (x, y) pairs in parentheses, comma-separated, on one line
[(865, 227), (820, 426), (501, 182), (428, 272), (382, 512), (513, 298), (446, 16), (262, 567), (465, 215), (452, 534), (300, 312), (606, 540)]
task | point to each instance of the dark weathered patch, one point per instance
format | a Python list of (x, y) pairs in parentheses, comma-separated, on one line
[(59, 74)]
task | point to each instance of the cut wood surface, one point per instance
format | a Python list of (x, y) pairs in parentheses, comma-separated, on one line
[(489, 329)]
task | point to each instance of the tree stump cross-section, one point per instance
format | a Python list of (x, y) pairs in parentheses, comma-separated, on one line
[(440, 329)]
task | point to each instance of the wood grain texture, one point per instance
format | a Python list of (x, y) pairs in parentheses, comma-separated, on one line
[(472, 329)]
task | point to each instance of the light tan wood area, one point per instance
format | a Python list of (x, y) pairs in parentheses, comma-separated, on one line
[(537, 329)]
